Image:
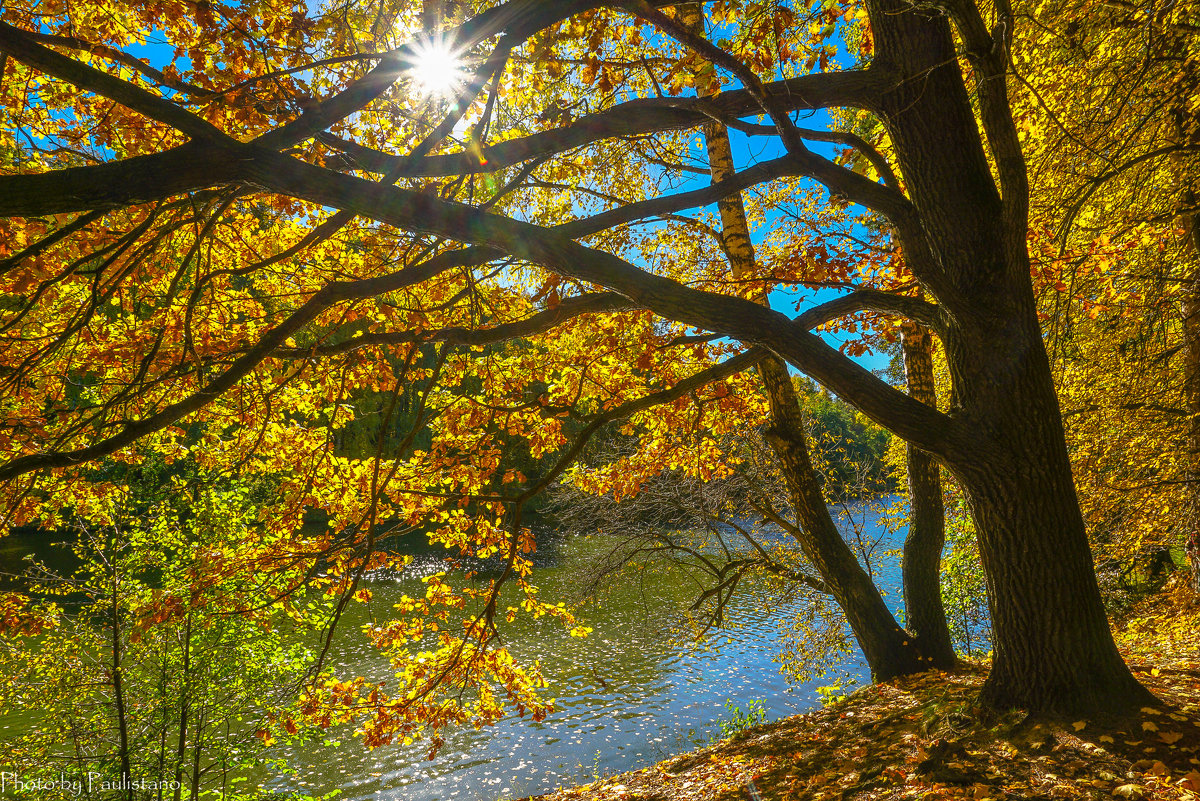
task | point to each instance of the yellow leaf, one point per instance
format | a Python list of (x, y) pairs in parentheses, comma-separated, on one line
[(1170, 737), (1149, 726), (1079, 725)]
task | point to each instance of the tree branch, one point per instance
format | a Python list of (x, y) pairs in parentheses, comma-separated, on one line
[(877, 300), (568, 309), (667, 204), (852, 88), (735, 317), (119, 56), (20, 46), (731, 366)]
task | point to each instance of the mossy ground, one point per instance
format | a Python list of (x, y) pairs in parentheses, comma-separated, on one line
[(924, 737)]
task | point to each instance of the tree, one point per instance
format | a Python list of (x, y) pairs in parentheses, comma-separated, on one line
[(277, 123), (167, 652), (1109, 125)]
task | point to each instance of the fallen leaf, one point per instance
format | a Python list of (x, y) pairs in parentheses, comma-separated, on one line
[(1170, 737), (1134, 792), (1149, 726), (1104, 738), (1079, 725)]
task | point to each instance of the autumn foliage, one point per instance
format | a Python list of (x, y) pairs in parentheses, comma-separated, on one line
[(242, 242)]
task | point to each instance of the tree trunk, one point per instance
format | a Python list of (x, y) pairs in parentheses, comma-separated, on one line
[(922, 566), (890, 651), (118, 682), (1191, 340), (1053, 648)]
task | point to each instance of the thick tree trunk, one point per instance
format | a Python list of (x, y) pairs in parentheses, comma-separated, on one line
[(1053, 648), (922, 566)]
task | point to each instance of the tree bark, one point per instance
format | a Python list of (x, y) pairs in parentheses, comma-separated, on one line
[(890, 651), (1053, 648), (1191, 340), (925, 616)]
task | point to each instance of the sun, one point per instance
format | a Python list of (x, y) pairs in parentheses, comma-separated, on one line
[(436, 69)]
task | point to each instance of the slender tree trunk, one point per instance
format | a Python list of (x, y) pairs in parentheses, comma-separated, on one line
[(185, 682), (1191, 340), (890, 651), (118, 683), (196, 752), (922, 567)]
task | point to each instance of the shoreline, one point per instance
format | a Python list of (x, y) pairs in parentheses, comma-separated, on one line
[(923, 737)]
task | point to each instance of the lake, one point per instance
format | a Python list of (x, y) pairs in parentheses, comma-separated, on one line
[(628, 695)]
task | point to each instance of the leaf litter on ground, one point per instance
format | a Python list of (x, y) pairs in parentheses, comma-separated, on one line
[(924, 737)]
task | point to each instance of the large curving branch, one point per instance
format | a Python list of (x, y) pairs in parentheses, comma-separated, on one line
[(118, 184), (737, 318), (851, 88), (494, 236), (153, 177)]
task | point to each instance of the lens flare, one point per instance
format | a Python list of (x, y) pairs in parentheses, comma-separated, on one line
[(436, 70)]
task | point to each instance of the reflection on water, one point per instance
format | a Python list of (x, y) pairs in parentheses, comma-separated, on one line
[(627, 696)]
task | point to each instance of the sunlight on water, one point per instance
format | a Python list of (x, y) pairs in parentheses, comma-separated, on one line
[(628, 695)]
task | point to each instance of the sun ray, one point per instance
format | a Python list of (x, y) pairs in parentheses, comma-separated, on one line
[(436, 69)]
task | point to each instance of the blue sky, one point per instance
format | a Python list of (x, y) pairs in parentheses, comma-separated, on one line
[(747, 151)]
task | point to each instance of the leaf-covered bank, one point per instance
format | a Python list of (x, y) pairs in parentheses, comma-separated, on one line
[(923, 737)]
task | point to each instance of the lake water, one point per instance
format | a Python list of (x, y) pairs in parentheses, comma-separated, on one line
[(628, 695)]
